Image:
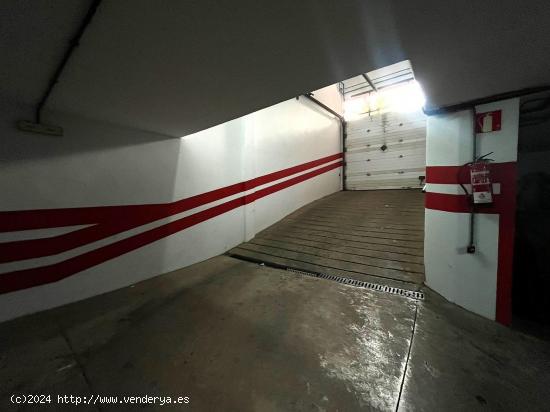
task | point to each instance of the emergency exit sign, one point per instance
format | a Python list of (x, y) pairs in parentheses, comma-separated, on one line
[(488, 121)]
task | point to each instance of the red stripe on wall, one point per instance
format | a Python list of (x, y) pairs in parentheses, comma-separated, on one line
[(506, 238), (447, 174), (262, 180), (447, 202), (460, 203), (500, 172), (48, 218), (110, 220), (504, 204), (27, 278)]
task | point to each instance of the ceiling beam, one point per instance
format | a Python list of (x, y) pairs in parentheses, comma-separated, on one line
[(369, 81)]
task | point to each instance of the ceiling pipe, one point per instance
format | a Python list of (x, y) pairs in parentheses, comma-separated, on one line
[(37, 126), (369, 81), (484, 100), (324, 106), (73, 44)]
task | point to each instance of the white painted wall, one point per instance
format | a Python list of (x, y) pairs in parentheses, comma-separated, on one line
[(470, 280), (97, 164), (450, 136), (293, 132), (331, 97)]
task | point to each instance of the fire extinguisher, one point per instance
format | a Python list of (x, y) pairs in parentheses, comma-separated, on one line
[(480, 179), (482, 190)]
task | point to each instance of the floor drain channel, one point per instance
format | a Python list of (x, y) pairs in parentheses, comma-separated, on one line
[(361, 284)]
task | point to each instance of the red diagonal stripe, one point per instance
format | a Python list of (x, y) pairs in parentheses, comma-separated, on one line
[(27, 278), (500, 172), (48, 218), (117, 219)]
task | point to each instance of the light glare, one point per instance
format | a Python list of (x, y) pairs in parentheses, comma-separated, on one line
[(407, 97)]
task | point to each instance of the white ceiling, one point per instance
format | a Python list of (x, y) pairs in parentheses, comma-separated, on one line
[(175, 67)]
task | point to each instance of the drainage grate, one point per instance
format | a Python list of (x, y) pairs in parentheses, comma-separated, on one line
[(361, 284), (346, 281)]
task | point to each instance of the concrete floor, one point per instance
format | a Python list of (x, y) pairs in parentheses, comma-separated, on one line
[(374, 236), (237, 336)]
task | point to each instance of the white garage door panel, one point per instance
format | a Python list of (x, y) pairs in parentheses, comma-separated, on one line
[(384, 181), (392, 125), (409, 148), (385, 151), (358, 138), (392, 119), (388, 163), (383, 165)]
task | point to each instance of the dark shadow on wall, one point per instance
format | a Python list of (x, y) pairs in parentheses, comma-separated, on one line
[(531, 278), (94, 164), (532, 251), (80, 135)]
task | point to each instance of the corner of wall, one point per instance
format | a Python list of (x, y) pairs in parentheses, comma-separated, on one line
[(479, 282)]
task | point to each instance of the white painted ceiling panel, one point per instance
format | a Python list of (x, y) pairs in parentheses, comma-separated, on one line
[(175, 67)]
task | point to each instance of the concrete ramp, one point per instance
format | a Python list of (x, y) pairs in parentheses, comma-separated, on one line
[(375, 236)]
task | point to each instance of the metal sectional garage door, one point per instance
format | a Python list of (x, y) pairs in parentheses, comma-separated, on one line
[(385, 151)]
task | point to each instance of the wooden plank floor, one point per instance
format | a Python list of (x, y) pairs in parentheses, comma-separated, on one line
[(377, 236)]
